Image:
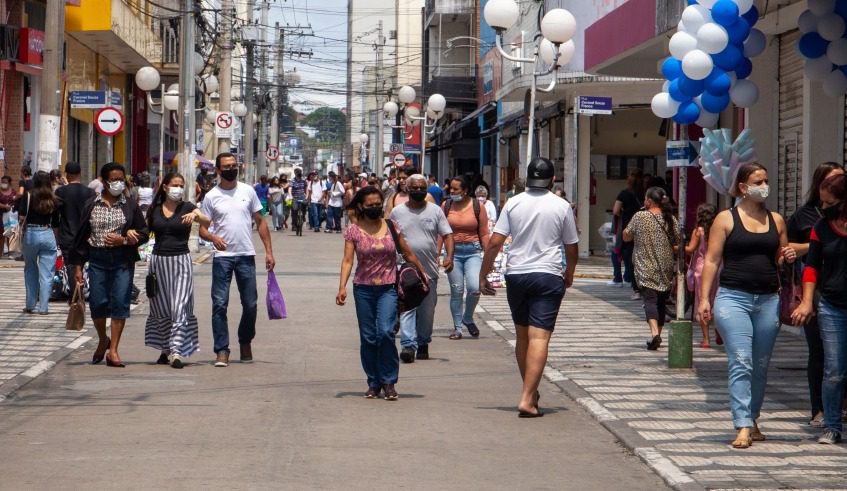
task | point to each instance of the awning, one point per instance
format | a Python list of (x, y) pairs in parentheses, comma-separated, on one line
[(551, 111), (479, 111)]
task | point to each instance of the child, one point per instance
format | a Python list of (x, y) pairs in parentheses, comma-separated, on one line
[(697, 250)]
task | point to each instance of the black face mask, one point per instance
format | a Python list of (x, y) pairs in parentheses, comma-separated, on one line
[(417, 195), (832, 212), (229, 174), (373, 212)]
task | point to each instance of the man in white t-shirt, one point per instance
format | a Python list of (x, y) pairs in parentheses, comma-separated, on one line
[(540, 223), (232, 207), (315, 197), (334, 203)]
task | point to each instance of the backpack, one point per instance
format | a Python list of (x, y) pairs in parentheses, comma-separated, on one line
[(411, 287), (476, 209)]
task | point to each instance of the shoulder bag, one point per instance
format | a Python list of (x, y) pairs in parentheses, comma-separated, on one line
[(16, 240), (76, 313), (411, 287)]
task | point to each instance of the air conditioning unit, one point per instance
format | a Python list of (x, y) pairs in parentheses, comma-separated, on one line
[(392, 34)]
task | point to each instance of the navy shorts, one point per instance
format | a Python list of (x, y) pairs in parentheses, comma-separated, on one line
[(535, 298)]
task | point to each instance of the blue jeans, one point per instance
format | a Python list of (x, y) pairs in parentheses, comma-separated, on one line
[(466, 264), (333, 218), (39, 251), (628, 273), (833, 326), (276, 211), (616, 268), (749, 324), (109, 283), (223, 268), (376, 310), (315, 210), (416, 324)]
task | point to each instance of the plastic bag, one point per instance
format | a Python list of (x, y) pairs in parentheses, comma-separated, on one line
[(10, 220), (275, 301)]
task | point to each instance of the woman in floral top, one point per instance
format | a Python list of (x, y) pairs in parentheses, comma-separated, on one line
[(656, 235), (369, 239)]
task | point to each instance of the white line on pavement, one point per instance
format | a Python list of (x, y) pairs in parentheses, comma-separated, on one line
[(672, 474), (553, 375), (596, 409), (38, 369), (495, 325), (79, 342), (513, 342)]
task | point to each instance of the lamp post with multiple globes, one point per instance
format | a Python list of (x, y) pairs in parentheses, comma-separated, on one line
[(435, 106)]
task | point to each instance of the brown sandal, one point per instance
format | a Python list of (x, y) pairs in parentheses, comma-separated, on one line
[(757, 436)]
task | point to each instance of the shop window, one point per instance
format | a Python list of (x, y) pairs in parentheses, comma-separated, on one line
[(619, 166), (36, 15)]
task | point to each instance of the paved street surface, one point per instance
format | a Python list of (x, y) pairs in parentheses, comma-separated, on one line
[(679, 420), (295, 418)]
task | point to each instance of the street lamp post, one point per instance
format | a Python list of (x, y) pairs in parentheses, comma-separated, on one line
[(434, 110), (363, 150)]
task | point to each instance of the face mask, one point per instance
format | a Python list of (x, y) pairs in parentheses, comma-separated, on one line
[(758, 193), (832, 212), (175, 193), (482, 199), (373, 212), (229, 174), (417, 195), (4, 186), (116, 188), (457, 197)]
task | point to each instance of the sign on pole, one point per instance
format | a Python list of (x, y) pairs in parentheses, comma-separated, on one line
[(224, 122), (680, 153), (587, 104), (109, 121), (395, 148), (272, 153), (399, 160)]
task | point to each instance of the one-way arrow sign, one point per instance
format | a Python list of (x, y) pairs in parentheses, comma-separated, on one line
[(109, 121)]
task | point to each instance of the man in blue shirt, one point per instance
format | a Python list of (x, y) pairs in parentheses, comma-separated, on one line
[(435, 190)]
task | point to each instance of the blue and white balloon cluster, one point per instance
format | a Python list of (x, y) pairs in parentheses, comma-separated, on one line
[(824, 44), (720, 157), (710, 62)]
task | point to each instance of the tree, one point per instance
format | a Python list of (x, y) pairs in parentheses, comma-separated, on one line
[(329, 122)]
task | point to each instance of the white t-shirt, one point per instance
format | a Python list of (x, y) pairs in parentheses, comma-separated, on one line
[(317, 191), (491, 210), (231, 212), (540, 223), (96, 185), (336, 195)]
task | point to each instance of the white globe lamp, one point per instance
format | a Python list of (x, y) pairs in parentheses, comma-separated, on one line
[(210, 84), (210, 116), (199, 63), (363, 138), (436, 103), (406, 94), (147, 78), (501, 14), (171, 98), (239, 109), (558, 25)]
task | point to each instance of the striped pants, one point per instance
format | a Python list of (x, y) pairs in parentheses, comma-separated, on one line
[(171, 325)]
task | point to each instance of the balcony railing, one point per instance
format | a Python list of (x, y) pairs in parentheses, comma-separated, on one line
[(129, 23), (168, 31), (450, 7), (453, 71), (9, 42)]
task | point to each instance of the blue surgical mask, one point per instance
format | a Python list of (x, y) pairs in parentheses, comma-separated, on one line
[(457, 197)]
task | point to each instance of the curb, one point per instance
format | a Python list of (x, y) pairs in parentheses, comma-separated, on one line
[(43, 366), (673, 476)]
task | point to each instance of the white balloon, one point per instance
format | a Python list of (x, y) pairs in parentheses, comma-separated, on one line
[(681, 44), (818, 68), (697, 65), (837, 52), (831, 26), (755, 44), (708, 3), (666, 86), (707, 119), (744, 6), (807, 22), (835, 84), (680, 27), (744, 93), (694, 16), (664, 106), (712, 38), (821, 7)]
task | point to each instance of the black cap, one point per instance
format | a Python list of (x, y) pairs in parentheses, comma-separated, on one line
[(540, 172), (72, 168)]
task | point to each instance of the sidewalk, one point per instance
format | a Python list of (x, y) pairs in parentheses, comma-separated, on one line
[(678, 421)]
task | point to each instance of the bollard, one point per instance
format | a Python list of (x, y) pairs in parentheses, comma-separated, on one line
[(680, 349)]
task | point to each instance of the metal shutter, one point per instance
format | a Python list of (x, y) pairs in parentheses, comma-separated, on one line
[(790, 124)]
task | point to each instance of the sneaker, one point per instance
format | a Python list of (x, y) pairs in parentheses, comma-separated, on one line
[(390, 393), (373, 392), (615, 284), (472, 329), (163, 358), (830, 437), (246, 353), (423, 352), (223, 359), (635, 296), (407, 355), (176, 361)]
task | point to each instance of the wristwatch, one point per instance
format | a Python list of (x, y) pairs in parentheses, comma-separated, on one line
[(125, 242)]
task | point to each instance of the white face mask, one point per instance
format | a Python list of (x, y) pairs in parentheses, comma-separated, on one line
[(175, 193), (481, 199), (116, 188), (758, 193)]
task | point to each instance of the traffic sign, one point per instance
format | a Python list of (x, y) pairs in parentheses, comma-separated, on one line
[(109, 121), (399, 160), (395, 148), (272, 153), (224, 122), (594, 105)]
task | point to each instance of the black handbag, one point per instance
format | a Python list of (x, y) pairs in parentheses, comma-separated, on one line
[(151, 284)]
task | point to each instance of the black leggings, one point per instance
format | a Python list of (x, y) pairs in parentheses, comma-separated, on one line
[(655, 304)]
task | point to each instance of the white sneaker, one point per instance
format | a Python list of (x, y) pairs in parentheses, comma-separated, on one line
[(635, 296), (614, 284)]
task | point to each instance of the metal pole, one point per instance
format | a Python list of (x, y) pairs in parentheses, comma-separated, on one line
[(422, 170), (262, 166), (531, 127), (249, 169), (165, 119), (278, 109), (225, 90), (49, 121), (186, 80), (682, 205), (378, 143)]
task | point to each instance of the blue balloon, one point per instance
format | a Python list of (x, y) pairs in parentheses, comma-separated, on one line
[(718, 82), (725, 12), (843, 68), (671, 68), (752, 15), (689, 87), (692, 2), (738, 31), (841, 9), (729, 58), (676, 94), (744, 68), (812, 45), (687, 113), (714, 103)]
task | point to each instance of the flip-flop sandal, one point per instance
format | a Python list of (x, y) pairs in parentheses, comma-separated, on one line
[(526, 414), (757, 436)]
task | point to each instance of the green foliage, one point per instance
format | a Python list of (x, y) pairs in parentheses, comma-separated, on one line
[(329, 122)]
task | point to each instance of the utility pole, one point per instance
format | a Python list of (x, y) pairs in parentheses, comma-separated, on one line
[(263, 107), (225, 73), (49, 121), (249, 169), (277, 101), (380, 83), (187, 122)]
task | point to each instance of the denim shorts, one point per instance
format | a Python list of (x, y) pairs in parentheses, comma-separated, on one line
[(535, 298), (110, 283)]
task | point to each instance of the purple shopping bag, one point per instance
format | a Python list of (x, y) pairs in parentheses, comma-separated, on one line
[(276, 304)]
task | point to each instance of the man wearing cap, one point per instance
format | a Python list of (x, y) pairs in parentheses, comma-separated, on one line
[(72, 198), (540, 223)]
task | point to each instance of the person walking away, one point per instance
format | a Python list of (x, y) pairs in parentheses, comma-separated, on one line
[(39, 207), (539, 223), (335, 202), (654, 233), (275, 196), (112, 228), (825, 273), (72, 199), (696, 248), (25, 184), (171, 326), (435, 190), (800, 227), (145, 194), (425, 228), (287, 200), (8, 198), (627, 204), (232, 206), (261, 189), (469, 221), (751, 241), (315, 200), (370, 240)]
